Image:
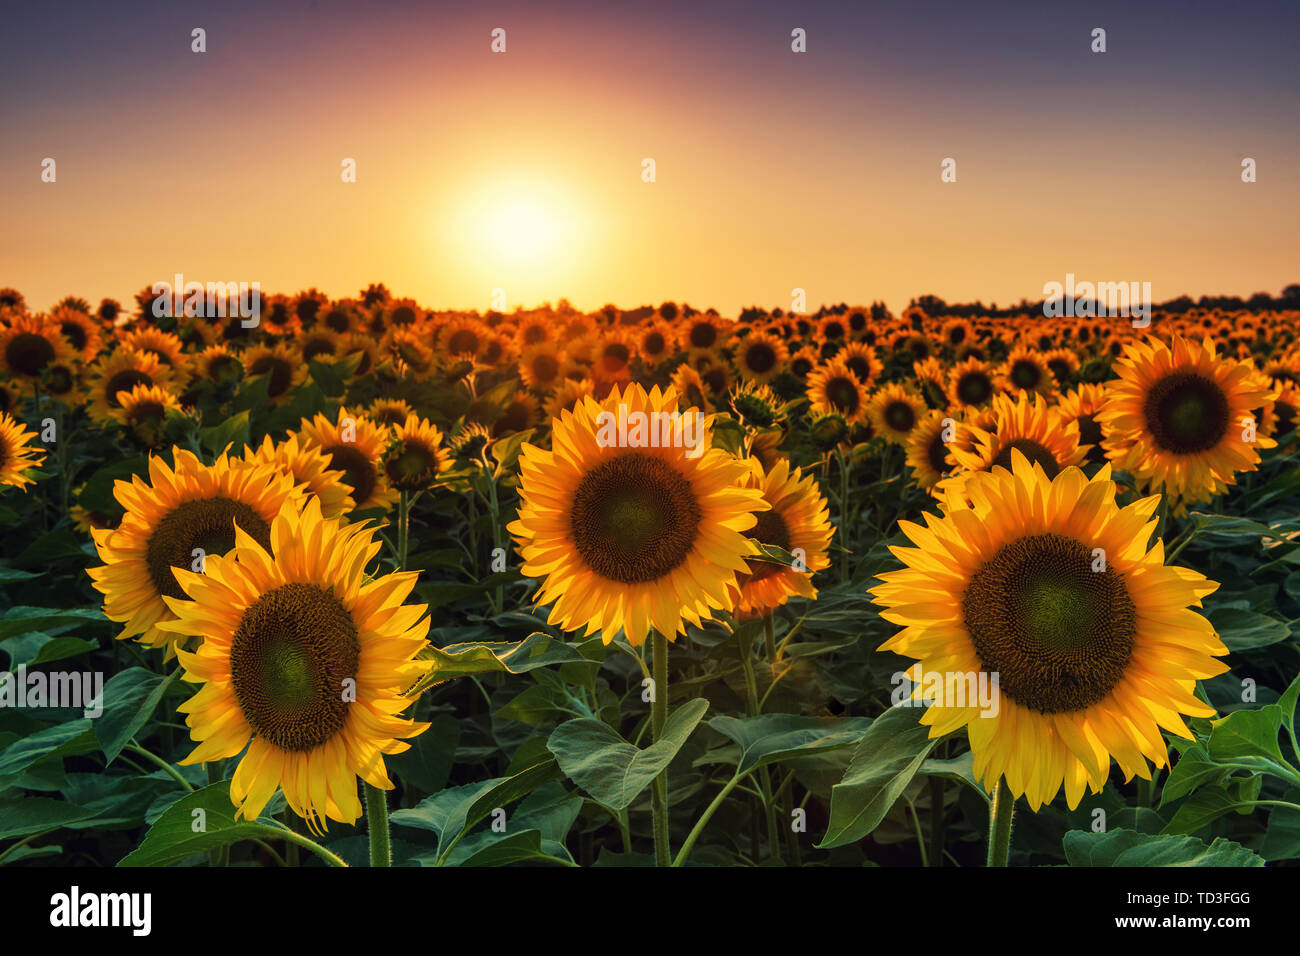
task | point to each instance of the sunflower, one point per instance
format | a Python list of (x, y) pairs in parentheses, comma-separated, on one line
[(17, 452), (389, 411), (310, 468), (568, 394), (716, 378), (894, 411), (1026, 369), (833, 388), (281, 364), (30, 344), (218, 364), (1177, 418), (688, 385), (654, 344), (416, 455), (702, 336), (798, 522), (143, 412), (633, 537), (543, 367), (1033, 428), (181, 515), (167, 347), (304, 661), (1081, 405), (321, 343), (533, 331), (81, 331), (355, 445), (956, 333), (122, 371), (760, 357), (462, 338), (306, 305), (757, 405), (971, 384), (341, 318), (1064, 365), (469, 442), (1049, 584), (408, 344), (927, 448), (521, 412), (803, 362)]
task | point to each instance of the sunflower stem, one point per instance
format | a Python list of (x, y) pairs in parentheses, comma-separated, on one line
[(381, 853), (1000, 812), (659, 717), (769, 640), (403, 527), (768, 805)]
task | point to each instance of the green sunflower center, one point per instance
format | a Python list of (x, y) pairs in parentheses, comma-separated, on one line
[(291, 657), (205, 523), (634, 518), (1186, 413), (1058, 634)]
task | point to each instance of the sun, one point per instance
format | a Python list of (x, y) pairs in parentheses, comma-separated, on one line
[(521, 228)]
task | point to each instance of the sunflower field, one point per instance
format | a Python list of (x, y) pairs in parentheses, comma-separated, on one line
[(361, 583)]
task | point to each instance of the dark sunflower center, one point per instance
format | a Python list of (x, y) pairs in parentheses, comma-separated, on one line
[(900, 416), (703, 335), (1058, 634), (545, 368), (833, 330), (290, 657), (760, 357), (974, 388), (280, 374), (150, 413), (654, 344), (857, 321), (124, 381), (1036, 453), (534, 334), (27, 353), (75, 333), (1186, 413), (403, 315), (315, 347), (462, 341), (716, 380), (937, 453), (1026, 374), (411, 466), (860, 367), (634, 518), (338, 320), (1090, 434), (616, 355), (358, 470), (843, 394), (206, 523)]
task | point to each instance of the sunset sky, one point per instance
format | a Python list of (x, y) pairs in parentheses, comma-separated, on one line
[(775, 170)]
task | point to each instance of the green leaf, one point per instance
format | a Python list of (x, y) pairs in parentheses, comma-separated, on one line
[(39, 648), (1282, 838), (1130, 848), (888, 757), (770, 738), (612, 771), (450, 813), (58, 740), (173, 836), (129, 700), (1247, 733), (24, 620), (958, 768), (1193, 769), (484, 657), (97, 493), (233, 431), (22, 815), (1201, 809), (1243, 630)]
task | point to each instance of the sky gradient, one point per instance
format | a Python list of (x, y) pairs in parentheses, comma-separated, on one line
[(775, 170)]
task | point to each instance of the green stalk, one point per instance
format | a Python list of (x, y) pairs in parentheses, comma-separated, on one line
[(403, 528), (764, 779), (658, 717), (1000, 812), (381, 853)]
